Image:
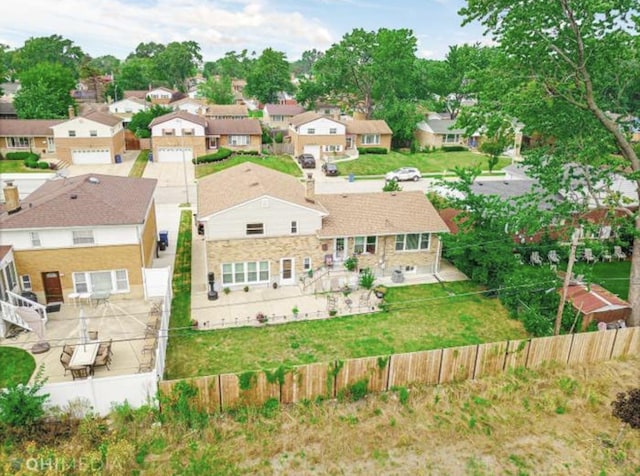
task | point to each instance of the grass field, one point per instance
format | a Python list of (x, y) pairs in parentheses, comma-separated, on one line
[(16, 366), (17, 167), (137, 170), (434, 162), (282, 163), (420, 317), (613, 276)]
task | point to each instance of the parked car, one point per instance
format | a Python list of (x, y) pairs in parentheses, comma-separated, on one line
[(307, 161), (403, 173), (330, 169)]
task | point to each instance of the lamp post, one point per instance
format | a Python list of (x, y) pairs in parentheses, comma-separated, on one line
[(184, 159)]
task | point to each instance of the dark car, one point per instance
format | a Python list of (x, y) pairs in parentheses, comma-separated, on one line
[(307, 161), (330, 169)]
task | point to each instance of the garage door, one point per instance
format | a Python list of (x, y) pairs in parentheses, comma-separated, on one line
[(91, 156), (313, 150), (174, 154)]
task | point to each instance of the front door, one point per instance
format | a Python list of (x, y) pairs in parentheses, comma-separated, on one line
[(52, 287), (339, 250), (286, 271)]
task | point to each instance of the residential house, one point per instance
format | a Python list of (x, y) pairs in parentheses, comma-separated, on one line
[(321, 136), (227, 111), (81, 234), (436, 131), (234, 134), (8, 110), (160, 95), (178, 136), (263, 227), (126, 108), (278, 116), (193, 106), (19, 135), (8, 273), (93, 138), (330, 110)]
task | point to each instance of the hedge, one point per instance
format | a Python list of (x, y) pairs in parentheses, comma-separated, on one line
[(454, 148), (372, 150), (22, 156), (221, 154), (43, 165), (247, 152), (31, 164)]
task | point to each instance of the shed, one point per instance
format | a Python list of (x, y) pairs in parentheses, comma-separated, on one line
[(597, 304)]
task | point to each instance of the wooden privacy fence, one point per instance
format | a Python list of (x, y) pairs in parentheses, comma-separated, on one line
[(455, 364)]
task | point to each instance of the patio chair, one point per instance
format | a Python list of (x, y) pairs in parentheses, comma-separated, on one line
[(64, 360), (553, 258), (83, 371), (588, 255), (93, 335), (68, 349), (103, 360), (332, 303), (105, 349), (618, 253), (535, 259), (606, 256)]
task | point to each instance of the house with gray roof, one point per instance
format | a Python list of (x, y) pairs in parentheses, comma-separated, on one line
[(436, 131), (24, 135), (81, 234), (266, 228), (278, 116)]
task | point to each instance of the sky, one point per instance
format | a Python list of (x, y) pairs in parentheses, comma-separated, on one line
[(116, 27)]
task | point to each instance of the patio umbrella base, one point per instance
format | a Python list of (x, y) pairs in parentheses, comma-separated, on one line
[(40, 348)]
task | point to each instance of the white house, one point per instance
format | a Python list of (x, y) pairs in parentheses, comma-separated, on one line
[(127, 107)]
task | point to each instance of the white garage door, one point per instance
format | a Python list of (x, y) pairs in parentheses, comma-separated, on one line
[(313, 150), (174, 154), (91, 156)]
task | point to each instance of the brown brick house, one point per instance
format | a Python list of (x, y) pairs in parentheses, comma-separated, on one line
[(235, 134), (81, 234), (35, 135)]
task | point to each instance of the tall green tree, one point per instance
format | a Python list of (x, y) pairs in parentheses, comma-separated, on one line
[(304, 65), (178, 62), (49, 49), (45, 92), (217, 91), (136, 74), (268, 76), (572, 60), (401, 116), (366, 67), (106, 64), (140, 121), (232, 65), (147, 50), (5, 59)]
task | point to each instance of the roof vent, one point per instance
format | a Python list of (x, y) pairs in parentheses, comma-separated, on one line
[(94, 180), (74, 196)]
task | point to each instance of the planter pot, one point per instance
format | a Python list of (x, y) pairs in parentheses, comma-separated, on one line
[(379, 294)]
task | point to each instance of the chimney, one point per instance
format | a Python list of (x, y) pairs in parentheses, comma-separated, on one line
[(310, 191), (72, 112), (11, 197)]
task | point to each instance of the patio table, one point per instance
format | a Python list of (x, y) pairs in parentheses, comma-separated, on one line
[(98, 296), (84, 354)]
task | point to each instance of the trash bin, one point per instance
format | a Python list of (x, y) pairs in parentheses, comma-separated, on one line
[(164, 237), (161, 245), (150, 157), (351, 177), (31, 296), (118, 159)]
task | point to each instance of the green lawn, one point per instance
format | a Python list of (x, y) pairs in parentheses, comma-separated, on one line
[(434, 162), (420, 317), (137, 170), (17, 167), (612, 276), (282, 163), (16, 366)]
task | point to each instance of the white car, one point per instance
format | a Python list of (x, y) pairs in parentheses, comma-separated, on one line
[(403, 173)]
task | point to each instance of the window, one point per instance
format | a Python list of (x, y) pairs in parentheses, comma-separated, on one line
[(311, 130), (113, 281), (306, 264), (294, 227), (35, 239), (93, 133), (332, 148), (451, 138), (83, 237), (188, 132), (255, 228), (371, 139), (248, 272), (168, 132), (333, 130), (26, 282), (238, 140), (413, 242), (17, 142), (72, 133), (364, 244)]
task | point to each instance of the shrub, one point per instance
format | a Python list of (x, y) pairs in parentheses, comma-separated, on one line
[(392, 186), (247, 152), (367, 278), (279, 137), (355, 391), (22, 156), (20, 405), (220, 154), (31, 164), (372, 150), (454, 148), (43, 165), (351, 263)]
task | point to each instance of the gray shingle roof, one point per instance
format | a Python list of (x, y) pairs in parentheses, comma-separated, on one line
[(234, 126), (28, 127)]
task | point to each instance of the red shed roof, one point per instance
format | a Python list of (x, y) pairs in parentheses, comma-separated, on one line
[(594, 298)]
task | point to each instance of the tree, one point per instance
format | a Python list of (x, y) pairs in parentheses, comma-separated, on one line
[(217, 91), (494, 148), (304, 65), (4, 64), (147, 50), (107, 64), (52, 49), (366, 67), (140, 121), (45, 92), (136, 74), (269, 76), (233, 65), (178, 62), (402, 117), (562, 53)]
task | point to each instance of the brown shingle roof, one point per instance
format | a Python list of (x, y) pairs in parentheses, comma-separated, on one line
[(136, 94), (283, 109), (4, 250), (227, 110), (234, 126), (381, 213), (102, 118), (184, 115), (305, 117), (367, 127), (245, 182), (28, 127), (112, 201)]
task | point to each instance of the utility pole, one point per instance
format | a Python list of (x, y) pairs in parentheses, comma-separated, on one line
[(567, 281)]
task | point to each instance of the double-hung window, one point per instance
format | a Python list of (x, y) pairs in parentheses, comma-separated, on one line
[(364, 244), (83, 237), (245, 272), (413, 242)]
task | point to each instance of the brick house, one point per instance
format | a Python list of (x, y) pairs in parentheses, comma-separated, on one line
[(263, 227), (368, 133), (23, 135), (127, 107), (278, 116), (235, 134), (93, 138), (227, 111), (81, 234)]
